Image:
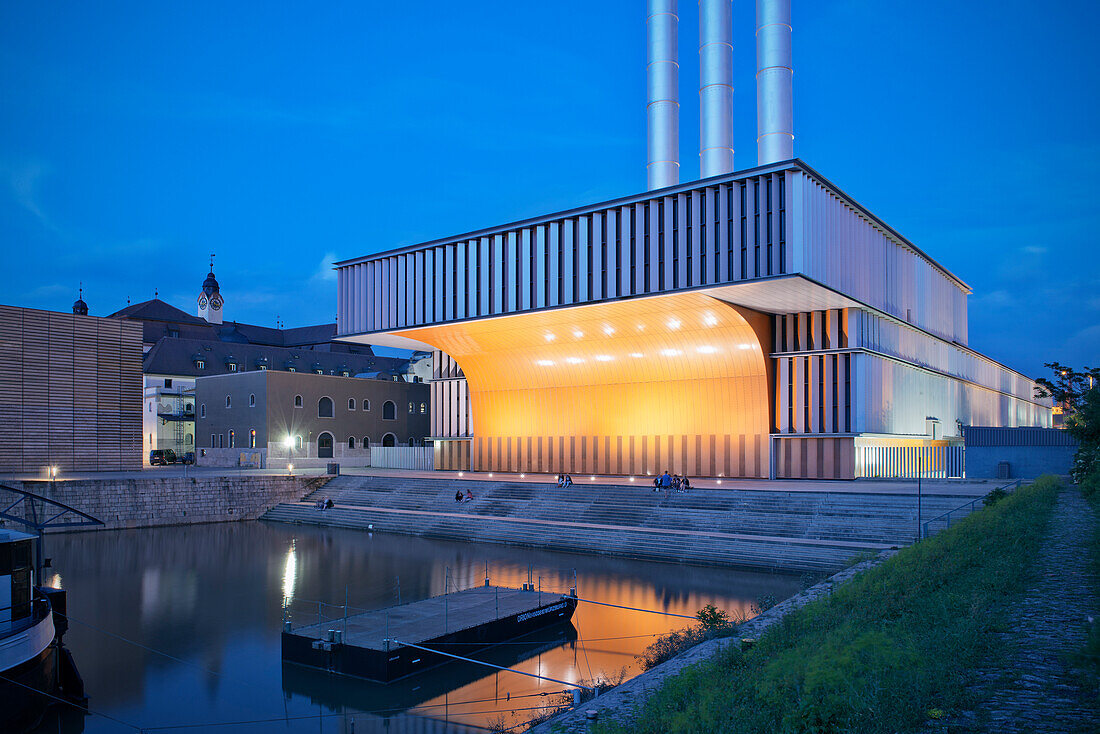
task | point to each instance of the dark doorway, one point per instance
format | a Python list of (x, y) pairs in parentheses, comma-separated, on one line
[(324, 446)]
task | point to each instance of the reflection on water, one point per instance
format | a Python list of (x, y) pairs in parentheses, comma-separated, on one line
[(201, 611)]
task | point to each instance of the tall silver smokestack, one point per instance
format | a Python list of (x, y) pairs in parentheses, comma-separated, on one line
[(663, 110), (715, 87), (774, 106)]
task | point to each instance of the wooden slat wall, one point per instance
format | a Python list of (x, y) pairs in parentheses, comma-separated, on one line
[(70, 392)]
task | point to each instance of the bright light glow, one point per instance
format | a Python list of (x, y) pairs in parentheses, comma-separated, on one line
[(673, 324), (460, 474), (578, 334), (574, 360), (290, 574), (744, 346), (670, 352), (545, 363), (706, 349), (604, 358), (550, 337), (490, 474), (288, 441), (719, 481), (632, 479), (53, 471), (609, 330), (710, 320), (522, 476), (289, 468), (592, 478)]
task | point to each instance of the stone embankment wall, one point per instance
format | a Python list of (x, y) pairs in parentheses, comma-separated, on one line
[(621, 702), (149, 502)]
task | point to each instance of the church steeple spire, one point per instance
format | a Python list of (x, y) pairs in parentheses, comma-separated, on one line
[(210, 299), (79, 307)]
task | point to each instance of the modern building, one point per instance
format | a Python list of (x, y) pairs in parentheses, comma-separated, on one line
[(178, 348), (70, 391), (305, 418), (753, 323)]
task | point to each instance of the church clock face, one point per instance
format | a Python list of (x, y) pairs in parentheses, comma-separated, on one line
[(216, 302), (202, 301)]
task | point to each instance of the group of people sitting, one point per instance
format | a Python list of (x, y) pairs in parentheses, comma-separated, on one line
[(325, 504), (564, 480), (671, 483), (468, 497)]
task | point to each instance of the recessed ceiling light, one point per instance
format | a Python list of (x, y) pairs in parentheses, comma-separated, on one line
[(670, 352), (673, 324), (636, 355), (574, 360), (578, 333), (744, 346), (706, 349), (608, 330), (545, 362), (604, 358), (710, 320), (550, 337)]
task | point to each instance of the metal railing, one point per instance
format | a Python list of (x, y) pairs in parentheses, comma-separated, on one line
[(969, 507)]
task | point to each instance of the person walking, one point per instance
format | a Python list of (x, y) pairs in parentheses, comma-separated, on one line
[(666, 483)]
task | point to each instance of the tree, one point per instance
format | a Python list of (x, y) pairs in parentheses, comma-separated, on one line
[(1068, 387)]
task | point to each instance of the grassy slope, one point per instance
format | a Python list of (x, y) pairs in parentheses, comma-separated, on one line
[(884, 653)]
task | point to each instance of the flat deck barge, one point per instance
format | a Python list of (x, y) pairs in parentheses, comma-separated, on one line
[(368, 645)]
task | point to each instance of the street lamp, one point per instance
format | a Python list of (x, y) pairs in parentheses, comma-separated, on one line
[(289, 443)]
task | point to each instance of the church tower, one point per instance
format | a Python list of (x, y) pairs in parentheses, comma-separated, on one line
[(210, 300)]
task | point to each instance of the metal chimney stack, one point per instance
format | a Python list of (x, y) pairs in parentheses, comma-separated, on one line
[(774, 105), (715, 87), (663, 109)]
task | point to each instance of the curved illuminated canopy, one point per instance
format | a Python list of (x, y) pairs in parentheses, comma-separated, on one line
[(676, 382)]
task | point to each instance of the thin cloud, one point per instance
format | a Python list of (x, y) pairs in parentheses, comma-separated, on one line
[(324, 272)]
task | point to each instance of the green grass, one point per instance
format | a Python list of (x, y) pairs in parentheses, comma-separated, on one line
[(887, 652), (1090, 656)]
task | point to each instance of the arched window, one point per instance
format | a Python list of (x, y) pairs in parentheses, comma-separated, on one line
[(389, 440), (232, 439), (389, 411), (351, 403), (297, 401), (298, 441), (251, 401), (366, 442), (423, 408), (365, 404), (324, 408), (228, 402), (412, 408), (413, 441), (202, 410), (188, 439), (252, 439), (351, 442), (324, 446)]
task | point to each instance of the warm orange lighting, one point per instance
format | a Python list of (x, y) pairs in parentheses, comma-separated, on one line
[(635, 400)]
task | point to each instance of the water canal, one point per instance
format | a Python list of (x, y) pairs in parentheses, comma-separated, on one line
[(178, 629)]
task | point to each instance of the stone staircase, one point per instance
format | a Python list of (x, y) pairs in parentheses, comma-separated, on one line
[(788, 530)]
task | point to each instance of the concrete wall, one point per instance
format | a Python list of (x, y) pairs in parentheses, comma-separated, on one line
[(136, 503)]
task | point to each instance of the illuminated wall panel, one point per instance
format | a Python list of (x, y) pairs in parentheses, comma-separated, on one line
[(685, 369)]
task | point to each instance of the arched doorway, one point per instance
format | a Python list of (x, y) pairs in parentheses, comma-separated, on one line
[(389, 440), (324, 446)]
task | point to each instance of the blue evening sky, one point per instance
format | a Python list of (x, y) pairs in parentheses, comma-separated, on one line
[(137, 137)]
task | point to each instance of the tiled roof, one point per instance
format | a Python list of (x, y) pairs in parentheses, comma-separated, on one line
[(172, 356)]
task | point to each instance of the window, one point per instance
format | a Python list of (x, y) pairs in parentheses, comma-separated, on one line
[(351, 442), (251, 401), (324, 446), (297, 401), (318, 372), (213, 441), (200, 364), (232, 439), (252, 439), (364, 404), (263, 367), (188, 439), (423, 408), (202, 410), (389, 440), (324, 408), (232, 366), (351, 403), (174, 333), (291, 369), (150, 407), (298, 441), (366, 442), (389, 411), (168, 382), (412, 408), (221, 440), (228, 402), (345, 373)]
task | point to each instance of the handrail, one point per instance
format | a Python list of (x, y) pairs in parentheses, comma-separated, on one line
[(1015, 484)]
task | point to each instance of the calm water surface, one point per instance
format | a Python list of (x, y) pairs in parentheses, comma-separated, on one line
[(177, 629)]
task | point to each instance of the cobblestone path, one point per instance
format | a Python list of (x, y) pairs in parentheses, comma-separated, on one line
[(1036, 689)]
